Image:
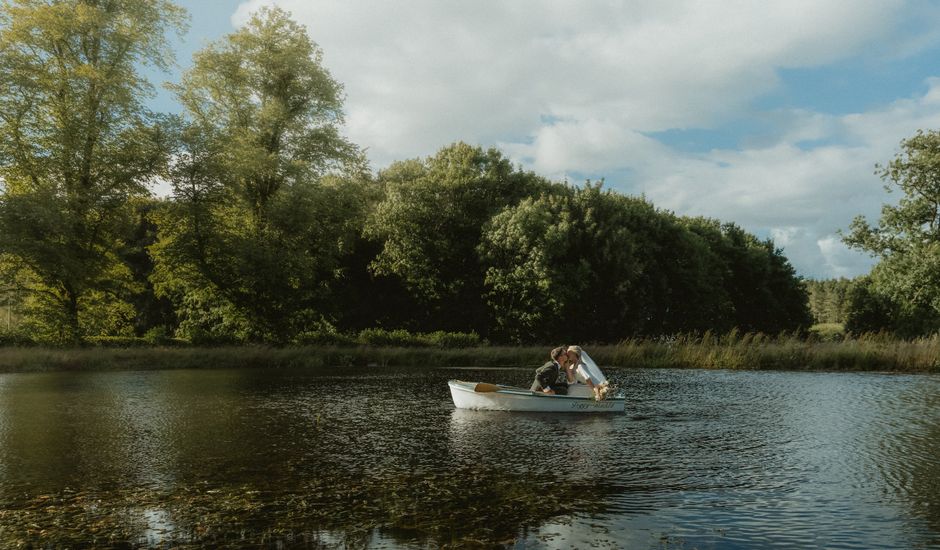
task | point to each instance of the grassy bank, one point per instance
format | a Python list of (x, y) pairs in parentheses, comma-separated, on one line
[(758, 352), (732, 351)]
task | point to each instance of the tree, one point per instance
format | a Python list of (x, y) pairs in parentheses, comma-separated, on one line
[(828, 299), (78, 145), (868, 311), (267, 196), (430, 223), (761, 287), (907, 237), (150, 312), (524, 250), (594, 265)]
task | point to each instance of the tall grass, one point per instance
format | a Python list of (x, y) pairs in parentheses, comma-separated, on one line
[(760, 352), (37, 359), (729, 351)]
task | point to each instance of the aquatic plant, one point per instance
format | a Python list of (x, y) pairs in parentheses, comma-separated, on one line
[(472, 506)]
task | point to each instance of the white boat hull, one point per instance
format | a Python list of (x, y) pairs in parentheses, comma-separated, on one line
[(508, 398)]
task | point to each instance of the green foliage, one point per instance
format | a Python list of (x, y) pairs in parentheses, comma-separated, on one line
[(868, 311), (595, 265), (430, 223), (157, 336), (828, 299), (256, 219), (150, 311), (828, 332), (123, 342), (118, 341), (906, 282), (78, 145), (41, 315), (454, 340), (401, 338), (391, 338), (102, 313), (761, 292), (872, 310), (277, 232), (543, 258), (14, 337), (325, 338), (207, 318)]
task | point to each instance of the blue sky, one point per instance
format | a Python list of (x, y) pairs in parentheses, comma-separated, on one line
[(768, 114), (209, 20)]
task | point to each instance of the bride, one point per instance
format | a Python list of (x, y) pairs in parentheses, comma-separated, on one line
[(584, 376)]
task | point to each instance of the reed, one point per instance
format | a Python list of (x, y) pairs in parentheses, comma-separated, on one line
[(729, 351)]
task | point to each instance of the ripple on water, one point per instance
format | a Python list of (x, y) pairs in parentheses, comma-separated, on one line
[(381, 457)]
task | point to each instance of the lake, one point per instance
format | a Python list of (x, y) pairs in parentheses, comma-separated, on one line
[(379, 457)]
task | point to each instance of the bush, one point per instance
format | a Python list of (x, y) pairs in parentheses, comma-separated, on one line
[(145, 341), (118, 341), (13, 337), (325, 338), (828, 332), (401, 338), (454, 340), (200, 337), (391, 338), (157, 336)]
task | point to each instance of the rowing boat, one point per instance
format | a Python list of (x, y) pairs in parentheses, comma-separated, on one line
[(496, 397)]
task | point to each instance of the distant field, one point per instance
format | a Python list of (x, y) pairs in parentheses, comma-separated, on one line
[(828, 331)]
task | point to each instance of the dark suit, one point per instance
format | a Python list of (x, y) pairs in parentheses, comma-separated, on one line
[(550, 375)]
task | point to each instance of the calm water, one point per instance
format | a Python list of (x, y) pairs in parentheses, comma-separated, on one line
[(380, 458)]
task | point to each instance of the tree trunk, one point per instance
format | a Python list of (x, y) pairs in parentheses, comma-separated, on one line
[(71, 333)]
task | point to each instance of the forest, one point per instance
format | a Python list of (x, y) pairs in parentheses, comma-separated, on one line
[(277, 230)]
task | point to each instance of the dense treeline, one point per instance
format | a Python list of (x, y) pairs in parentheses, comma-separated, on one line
[(864, 305), (829, 299), (277, 230)]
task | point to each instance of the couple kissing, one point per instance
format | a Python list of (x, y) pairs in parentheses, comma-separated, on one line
[(570, 372)]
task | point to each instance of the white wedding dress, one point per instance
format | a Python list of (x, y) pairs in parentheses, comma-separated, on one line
[(586, 370)]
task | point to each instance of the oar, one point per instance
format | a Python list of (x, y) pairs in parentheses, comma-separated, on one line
[(483, 387)]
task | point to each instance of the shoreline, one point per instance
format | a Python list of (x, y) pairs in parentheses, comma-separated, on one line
[(742, 353)]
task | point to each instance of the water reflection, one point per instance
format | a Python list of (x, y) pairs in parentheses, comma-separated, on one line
[(569, 446), (379, 457)]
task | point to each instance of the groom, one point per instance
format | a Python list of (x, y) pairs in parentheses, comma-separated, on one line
[(550, 377)]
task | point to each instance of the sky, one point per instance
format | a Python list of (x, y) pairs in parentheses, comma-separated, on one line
[(768, 114)]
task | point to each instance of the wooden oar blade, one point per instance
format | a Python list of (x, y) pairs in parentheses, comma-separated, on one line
[(483, 387)]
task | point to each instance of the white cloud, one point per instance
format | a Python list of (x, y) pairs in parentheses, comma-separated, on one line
[(573, 87), (585, 146), (422, 73), (800, 196), (838, 260)]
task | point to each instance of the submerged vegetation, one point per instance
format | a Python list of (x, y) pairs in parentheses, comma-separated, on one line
[(455, 509)]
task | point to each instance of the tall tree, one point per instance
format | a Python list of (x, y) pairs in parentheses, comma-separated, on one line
[(77, 144), (828, 299), (594, 265), (762, 288), (907, 237), (257, 223), (430, 223)]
